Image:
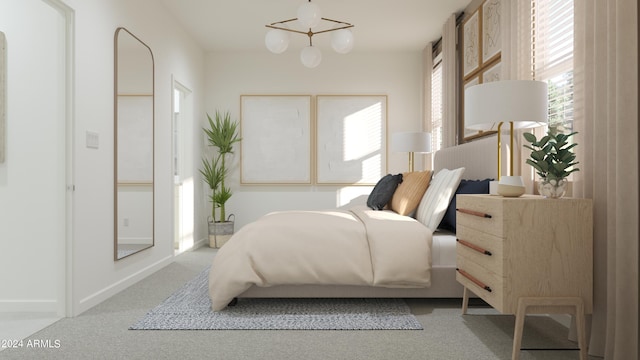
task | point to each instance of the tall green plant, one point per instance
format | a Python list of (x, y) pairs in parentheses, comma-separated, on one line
[(551, 156), (222, 133)]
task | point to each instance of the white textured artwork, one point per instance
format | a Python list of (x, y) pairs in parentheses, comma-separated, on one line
[(2, 94), (351, 139), (276, 139)]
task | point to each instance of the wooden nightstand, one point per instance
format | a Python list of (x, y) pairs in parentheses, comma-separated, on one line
[(527, 255)]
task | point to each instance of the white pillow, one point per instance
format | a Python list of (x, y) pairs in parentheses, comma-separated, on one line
[(435, 201)]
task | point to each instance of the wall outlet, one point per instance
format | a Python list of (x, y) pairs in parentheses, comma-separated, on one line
[(125, 222), (93, 139)]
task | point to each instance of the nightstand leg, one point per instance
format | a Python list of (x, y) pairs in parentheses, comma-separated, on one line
[(521, 312), (465, 301), (582, 338), (559, 305)]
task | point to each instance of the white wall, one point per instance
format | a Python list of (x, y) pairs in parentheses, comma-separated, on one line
[(229, 75), (95, 274), (32, 178)]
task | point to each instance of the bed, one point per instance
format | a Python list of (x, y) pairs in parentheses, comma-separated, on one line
[(341, 257)]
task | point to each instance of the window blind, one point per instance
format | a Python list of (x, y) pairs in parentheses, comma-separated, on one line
[(552, 56)]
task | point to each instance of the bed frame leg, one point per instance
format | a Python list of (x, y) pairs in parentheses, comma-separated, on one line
[(233, 302)]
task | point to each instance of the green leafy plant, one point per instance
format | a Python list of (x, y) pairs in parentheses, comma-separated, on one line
[(222, 133), (551, 156)]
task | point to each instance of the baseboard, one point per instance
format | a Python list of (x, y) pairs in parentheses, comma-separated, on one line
[(200, 243), (26, 305), (104, 294)]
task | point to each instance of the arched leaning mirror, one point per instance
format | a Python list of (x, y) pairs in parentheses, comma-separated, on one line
[(133, 134)]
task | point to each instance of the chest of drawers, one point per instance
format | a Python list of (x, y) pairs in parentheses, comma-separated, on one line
[(512, 248)]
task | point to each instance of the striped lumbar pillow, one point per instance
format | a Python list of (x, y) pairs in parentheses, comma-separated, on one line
[(436, 199)]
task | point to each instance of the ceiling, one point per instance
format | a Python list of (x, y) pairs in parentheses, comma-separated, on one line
[(380, 25)]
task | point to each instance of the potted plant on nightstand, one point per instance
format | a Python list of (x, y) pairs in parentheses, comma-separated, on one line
[(553, 160), (222, 133)]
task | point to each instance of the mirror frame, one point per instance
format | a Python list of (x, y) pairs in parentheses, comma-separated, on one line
[(118, 31)]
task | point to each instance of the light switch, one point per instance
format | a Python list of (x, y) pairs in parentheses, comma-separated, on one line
[(93, 140)]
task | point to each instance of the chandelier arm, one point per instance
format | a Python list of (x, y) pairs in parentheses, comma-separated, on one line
[(285, 29), (340, 28), (337, 21), (283, 21)]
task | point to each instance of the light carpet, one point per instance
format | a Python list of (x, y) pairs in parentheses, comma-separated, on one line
[(189, 308)]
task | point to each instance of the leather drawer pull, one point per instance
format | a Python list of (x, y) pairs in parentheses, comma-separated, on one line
[(474, 280), (474, 213), (474, 247)]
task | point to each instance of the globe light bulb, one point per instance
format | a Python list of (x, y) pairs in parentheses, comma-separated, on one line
[(310, 56), (309, 15), (342, 41), (277, 41)]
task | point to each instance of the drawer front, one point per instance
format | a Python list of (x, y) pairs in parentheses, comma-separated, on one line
[(480, 213), (482, 248), (487, 285)]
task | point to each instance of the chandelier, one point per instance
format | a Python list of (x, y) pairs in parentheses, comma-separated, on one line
[(309, 17)]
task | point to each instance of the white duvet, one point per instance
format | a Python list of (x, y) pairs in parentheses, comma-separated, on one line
[(358, 246)]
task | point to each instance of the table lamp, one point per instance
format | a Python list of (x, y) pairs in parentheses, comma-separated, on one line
[(521, 103), (411, 142)]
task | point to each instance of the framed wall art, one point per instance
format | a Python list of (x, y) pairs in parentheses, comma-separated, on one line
[(492, 73), (491, 38), (276, 139), (481, 55), (471, 44), (351, 139)]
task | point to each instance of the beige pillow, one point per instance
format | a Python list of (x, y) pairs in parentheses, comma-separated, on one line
[(407, 196)]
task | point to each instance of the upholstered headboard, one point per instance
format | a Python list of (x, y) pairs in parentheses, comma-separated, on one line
[(479, 158)]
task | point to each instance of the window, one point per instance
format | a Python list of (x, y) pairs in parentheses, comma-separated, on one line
[(552, 57), (436, 104)]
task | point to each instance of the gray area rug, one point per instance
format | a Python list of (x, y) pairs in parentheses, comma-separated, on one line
[(189, 308)]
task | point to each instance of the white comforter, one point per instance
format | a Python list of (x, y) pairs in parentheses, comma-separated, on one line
[(358, 246)]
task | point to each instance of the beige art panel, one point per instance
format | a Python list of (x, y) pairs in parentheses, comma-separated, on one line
[(276, 139), (351, 139)]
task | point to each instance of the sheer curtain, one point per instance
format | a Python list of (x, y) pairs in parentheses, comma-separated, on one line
[(516, 40), (427, 62), (516, 65), (606, 116), (449, 83)]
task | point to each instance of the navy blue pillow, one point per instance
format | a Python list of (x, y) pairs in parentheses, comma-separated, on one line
[(383, 191), (466, 187)]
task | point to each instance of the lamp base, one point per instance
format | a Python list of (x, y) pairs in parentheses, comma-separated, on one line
[(493, 187)]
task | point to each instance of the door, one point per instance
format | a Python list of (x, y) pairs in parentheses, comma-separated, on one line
[(183, 174)]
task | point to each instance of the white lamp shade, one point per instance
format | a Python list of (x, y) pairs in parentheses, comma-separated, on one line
[(417, 142), (309, 15), (310, 56), (524, 102), (277, 41), (342, 41)]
